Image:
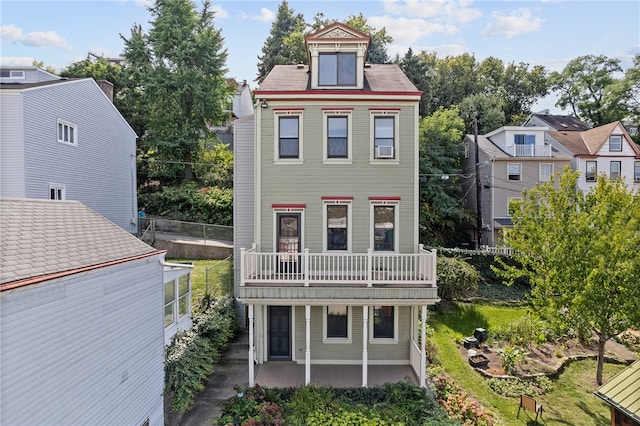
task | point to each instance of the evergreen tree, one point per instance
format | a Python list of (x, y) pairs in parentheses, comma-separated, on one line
[(284, 46)]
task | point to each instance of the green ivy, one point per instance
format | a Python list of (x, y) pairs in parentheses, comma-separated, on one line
[(190, 357)]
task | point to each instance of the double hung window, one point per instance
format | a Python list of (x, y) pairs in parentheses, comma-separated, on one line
[(288, 135), (337, 223), (615, 143), (337, 324), (57, 192), (546, 171), (384, 227), (383, 324), (514, 172), (636, 171), (337, 137), (614, 171), (384, 137), (591, 171)]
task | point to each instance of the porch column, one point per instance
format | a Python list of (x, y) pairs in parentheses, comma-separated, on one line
[(307, 353), (423, 352), (251, 347), (365, 355)]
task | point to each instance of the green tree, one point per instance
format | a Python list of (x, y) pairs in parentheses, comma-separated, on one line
[(284, 46), (418, 69), (586, 85), (97, 67), (47, 68), (379, 39), (580, 254), (175, 76), (441, 148), (486, 108)]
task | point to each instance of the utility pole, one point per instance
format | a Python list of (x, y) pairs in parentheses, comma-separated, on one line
[(478, 184)]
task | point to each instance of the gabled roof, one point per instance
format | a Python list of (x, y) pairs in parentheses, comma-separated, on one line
[(562, 122), (589, 142), (623, 391), (377, 78), (44, 239)]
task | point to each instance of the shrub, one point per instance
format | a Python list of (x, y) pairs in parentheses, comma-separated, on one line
[(511, 356), (526, 331), (189, 359), (250, 407), (517, 386), (456, 278), (459, 405)]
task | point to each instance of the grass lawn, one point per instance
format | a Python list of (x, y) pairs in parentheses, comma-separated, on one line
[(570, 402), (216, 276)]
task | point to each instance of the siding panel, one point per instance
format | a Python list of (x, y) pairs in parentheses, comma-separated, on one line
[(11, 146)]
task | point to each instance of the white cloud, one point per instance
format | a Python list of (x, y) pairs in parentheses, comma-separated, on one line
[(16, 60), (406, 31), (439, 10), (36, 38), (220, 11), (266, 15), (518, 22)]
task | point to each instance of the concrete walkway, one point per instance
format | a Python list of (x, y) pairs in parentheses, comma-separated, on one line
[(231, 370)]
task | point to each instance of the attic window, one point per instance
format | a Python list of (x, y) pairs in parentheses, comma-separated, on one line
[(615, 143), (337, 69), (17, 74)]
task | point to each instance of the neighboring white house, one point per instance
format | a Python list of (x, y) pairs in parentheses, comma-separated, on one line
[(64, 139), (606, 149), (81, 318)]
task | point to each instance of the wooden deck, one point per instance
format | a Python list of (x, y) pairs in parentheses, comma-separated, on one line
[(281, 375)]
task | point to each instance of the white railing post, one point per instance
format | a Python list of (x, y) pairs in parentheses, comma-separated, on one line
[(306, 267), (365, 338), (242, 266), (307, 351), (369, 267), (251, 348), (434, 263)]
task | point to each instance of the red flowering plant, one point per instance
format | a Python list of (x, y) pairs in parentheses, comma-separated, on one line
[(459, 405), (249, 407)]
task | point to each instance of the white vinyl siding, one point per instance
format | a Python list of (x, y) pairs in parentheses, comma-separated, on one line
[(98, 336)]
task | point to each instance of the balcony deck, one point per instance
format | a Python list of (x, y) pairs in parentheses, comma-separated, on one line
[(354, 278)]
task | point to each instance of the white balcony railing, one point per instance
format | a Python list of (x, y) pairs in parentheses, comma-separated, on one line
[(529, 150), (338, 269)]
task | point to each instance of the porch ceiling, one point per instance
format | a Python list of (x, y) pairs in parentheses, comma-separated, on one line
[(338, 295)]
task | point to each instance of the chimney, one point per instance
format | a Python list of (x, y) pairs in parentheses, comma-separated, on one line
[(107, 88)]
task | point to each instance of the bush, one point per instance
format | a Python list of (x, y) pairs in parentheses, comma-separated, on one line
[(189, 203), (456, 278), (526, 331), (459, 405), (511, 357), (190, 357), (250, 407), (516, 387)]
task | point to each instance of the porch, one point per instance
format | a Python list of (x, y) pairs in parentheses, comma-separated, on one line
[(333, 269), (287, 374)]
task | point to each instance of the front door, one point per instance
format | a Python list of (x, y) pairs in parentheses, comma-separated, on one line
[(289, 242), (279, 326)]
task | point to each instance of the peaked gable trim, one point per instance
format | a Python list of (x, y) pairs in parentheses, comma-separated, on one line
[(337, 31)]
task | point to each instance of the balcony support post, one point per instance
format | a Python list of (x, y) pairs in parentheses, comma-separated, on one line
[(251, 347), (423, 352), (307, 352), (365, 338)]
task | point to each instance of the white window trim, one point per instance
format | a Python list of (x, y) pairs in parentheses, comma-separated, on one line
[(540, 172), (339, 340), (636, 172), (396, 136), (15, 75), (396, 217), (336, 202), (325, 135), (276, 211), (57, 187), (277, 114), (520, 174), (619, 169), (384, 341), (586, 171), (71, 126)]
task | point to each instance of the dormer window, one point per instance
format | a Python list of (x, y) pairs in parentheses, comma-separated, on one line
[(337, 69)]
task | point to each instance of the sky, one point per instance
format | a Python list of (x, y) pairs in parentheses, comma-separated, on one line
[(544, 32)]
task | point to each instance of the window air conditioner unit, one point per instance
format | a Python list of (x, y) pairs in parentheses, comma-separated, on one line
[(384, 152)]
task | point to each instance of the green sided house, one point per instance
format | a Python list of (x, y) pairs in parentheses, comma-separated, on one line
[(329, 270)]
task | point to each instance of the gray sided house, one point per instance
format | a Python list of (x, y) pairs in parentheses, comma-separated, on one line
[(81, 318), (328, 265), (510, 159), (64, 139)]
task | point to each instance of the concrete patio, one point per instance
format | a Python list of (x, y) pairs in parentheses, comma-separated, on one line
[(286, 374)]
